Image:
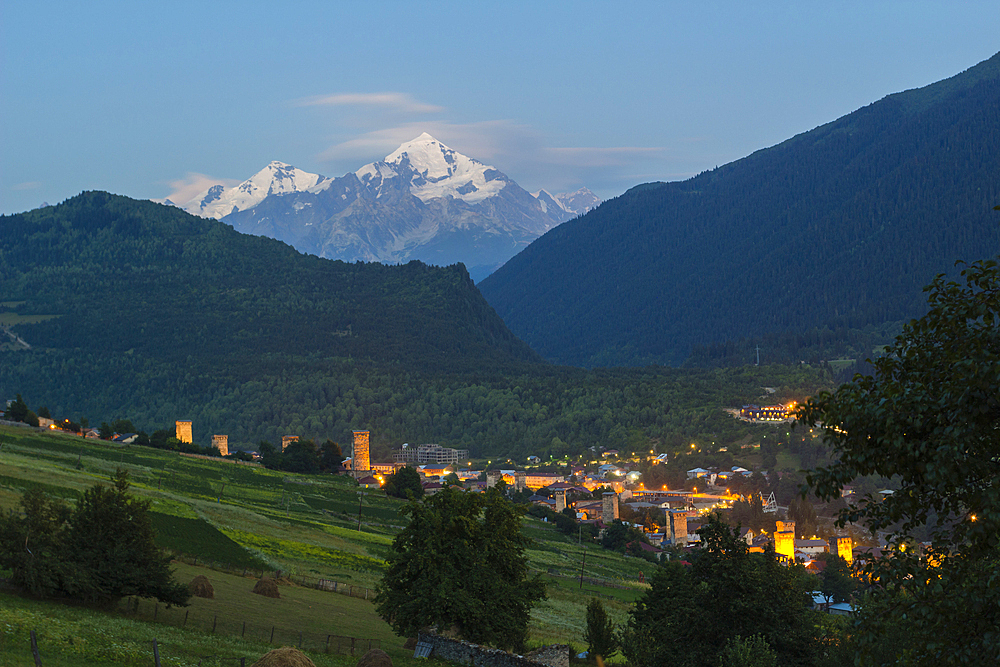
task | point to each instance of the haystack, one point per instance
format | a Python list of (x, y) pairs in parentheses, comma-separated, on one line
[(201, 587), (375, 658), (286, 656), (265, 586)]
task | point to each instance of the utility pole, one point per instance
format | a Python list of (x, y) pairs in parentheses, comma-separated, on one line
[(758, 355), (361, 498), (582, 567)]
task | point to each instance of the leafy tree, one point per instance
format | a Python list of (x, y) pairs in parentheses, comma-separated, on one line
[(460, 564), (802, 512), (113, 550), (404, 483), (16, 411), (301, 456), (727, 592), (619, 534), (30, 418), (32, 546), (929, 417), (751, 652), (123, 426), (330, 456), (44, 412), (99, 552), (105, 431), (836, 582), (601, 636)]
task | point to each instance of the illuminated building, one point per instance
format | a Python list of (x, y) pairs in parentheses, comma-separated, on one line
[(221, 442), (784, 539), (361, 460), (183, 431), (843, 546), (287, 440), (767, 413)]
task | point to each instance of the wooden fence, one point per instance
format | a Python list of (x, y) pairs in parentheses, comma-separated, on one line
[(148, 610), (317, 583)]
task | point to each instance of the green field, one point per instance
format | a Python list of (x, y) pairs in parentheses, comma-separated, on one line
[(232, 519)]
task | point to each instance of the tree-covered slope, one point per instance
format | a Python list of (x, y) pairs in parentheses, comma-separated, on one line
[(838, 227), (141, 311), (135, 277)]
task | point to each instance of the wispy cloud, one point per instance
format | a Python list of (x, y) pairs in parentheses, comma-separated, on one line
[(193, 184), (400, 102), (517, 149), (30, 185)]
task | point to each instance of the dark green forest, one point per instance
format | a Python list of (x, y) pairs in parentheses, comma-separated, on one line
[(136, 310), (831, 234)]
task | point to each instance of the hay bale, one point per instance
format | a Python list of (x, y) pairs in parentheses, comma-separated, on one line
[(375, 658), (201, 587), (265, 586), (286, 656)]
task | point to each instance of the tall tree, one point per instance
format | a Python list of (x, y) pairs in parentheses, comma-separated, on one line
[(929, 417), (689, 613), (99, 552), (460, 564), (404, 483), (601, 635)]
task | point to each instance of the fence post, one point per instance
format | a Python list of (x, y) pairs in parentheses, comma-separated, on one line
[(366, 593), (156, 653), (327, 643), (243, 634), (352, 647), (215, 620), (186, 612), (34, 650), (272, 636)]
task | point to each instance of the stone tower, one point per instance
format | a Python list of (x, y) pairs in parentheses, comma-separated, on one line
[(287, 440), (560, 499), (361, 462), (843, 546), (784, 539), (492, 477), (183, 430), (520, 480), (678, 527), (609, 507), (221, 442)]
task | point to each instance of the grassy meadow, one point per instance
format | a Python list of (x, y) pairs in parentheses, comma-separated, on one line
[(215, 513)]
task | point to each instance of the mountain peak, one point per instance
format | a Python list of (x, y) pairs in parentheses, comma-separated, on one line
[(436, 171), (276, 178)]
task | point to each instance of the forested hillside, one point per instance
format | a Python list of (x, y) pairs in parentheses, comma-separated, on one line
[(141, 311), (834, 230)]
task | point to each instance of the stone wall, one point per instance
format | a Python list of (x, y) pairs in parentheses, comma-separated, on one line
[(466, 653)]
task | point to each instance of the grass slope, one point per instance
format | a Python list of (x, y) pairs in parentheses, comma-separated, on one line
[(286, 522)]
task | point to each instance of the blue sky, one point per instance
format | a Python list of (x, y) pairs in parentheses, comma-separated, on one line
[(154, 99)]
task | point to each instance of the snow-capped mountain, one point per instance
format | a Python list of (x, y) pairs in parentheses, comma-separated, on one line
[(276, 178), (423, 201)]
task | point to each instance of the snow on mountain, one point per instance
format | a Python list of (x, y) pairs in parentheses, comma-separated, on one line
[(276, 178), (424, 201), (435, 171), (578, 202), (573, 203)]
